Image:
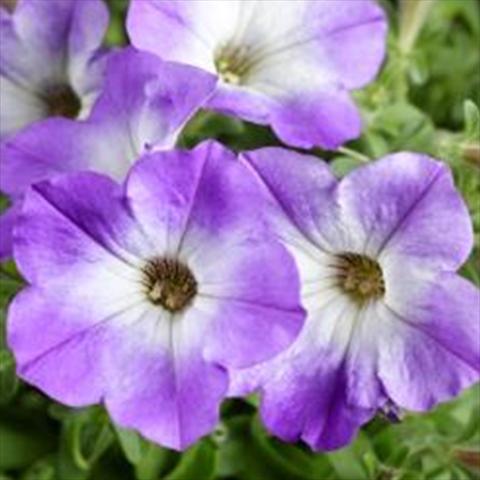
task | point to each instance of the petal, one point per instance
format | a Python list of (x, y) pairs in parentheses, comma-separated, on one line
[(7, 221), (254, 296), (320, 43), (32, 52), (45, 149), (356, 41), (407, 203), (206, 192), (58, 334), (73, 226), (18, 107), (301, 188), (304, 389), (148, 100), (327, 118), (242, 102), (87, 61), (184, 32), (159, 383), (429, 349)]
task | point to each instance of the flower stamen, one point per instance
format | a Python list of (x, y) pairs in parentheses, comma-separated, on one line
[(359, 276), (233, 64), (169, 284)]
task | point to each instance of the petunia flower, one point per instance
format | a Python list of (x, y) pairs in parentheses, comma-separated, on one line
[(141, 296), (389, 322), (144, 105), (51, 60), (288, 64)]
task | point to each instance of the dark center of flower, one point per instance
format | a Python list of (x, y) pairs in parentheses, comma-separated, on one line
[(9, 5), (169, 284), (233, 64), (61, 101), (359, 276)]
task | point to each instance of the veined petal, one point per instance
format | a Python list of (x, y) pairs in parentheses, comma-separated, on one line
[(407, 203), (207, 180), (158, 381), (301, 188), (438, 331), (71, 212), (304, 392)]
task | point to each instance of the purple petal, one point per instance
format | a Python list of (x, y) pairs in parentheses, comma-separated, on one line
[(7, 221), (407, 203), (439, 328), (57, 344), (46, 149), (328, 118), (150, 98), (301, 188), (304, 390), (71, 219), (159, 383)]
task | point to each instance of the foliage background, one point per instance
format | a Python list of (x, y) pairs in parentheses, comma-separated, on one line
[(426, 99)]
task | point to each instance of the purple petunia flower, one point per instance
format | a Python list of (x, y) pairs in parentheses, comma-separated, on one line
[(389, 323), (51, 63), (289, 64), (141, 296), (144, 105)]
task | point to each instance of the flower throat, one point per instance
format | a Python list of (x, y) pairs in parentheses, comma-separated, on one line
[(61, 101), (360, 277), (169, 284)]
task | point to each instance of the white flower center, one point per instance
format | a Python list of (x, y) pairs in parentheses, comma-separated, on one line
[(169, 284), (359, 276)]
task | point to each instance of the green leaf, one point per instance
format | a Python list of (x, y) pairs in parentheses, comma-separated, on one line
[(349, 462), (86, 435), (44, 469), (22, 442), (8, 378), (472, 120), (132, 444), (198, 462), (343, 165), (155, 462)]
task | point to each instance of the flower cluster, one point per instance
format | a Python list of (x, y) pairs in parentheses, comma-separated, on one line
[(162, 280)]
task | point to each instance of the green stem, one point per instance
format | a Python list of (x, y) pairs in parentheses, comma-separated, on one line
[(353, 154), (413, 14)]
